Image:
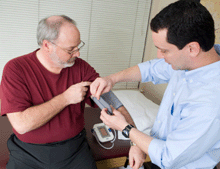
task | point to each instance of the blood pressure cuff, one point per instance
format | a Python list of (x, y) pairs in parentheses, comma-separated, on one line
[(112, 99)]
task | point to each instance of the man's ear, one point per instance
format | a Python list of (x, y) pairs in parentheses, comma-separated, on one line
[(47, 45), (194, 49)]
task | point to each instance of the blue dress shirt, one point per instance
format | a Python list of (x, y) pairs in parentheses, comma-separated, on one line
[(187, 128)]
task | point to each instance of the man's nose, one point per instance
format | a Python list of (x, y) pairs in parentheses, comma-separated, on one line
[(76, 54)]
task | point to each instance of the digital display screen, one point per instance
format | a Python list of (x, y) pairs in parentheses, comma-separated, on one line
[(103, 131)]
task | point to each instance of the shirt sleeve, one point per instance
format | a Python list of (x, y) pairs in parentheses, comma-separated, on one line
[(89, 74), (197, 124), (16, 96), (156, 71)]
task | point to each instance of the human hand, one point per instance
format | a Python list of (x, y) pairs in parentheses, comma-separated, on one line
[(116, 121), (100, 86), (136, 157), (76, 93)]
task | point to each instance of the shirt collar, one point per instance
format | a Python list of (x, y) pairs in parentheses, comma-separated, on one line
[(205, 72)]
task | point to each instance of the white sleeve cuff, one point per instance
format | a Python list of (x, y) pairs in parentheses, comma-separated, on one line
[(155, 151)]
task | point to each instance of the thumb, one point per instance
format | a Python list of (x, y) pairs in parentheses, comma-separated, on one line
[(131, 162), (104, 110), (113, 109)]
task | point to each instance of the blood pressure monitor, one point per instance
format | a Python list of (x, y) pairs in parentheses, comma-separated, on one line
[(103, 132)]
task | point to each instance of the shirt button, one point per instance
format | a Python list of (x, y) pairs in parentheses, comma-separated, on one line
[(184, 79), (159, 121), (191, 81), (174, 94)]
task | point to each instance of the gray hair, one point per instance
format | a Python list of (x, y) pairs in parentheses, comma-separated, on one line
[(49, 30)]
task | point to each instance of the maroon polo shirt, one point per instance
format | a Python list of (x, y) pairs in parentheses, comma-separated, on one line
[(26, 83)]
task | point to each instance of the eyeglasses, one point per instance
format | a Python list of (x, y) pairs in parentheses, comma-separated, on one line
[(72, 51)]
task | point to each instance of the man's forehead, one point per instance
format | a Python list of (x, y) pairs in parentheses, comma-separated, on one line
[(159, 39)]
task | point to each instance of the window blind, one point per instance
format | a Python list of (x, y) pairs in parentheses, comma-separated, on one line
[(114, 30), (18, 20)]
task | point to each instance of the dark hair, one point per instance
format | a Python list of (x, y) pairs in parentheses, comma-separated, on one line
[(186, 21)]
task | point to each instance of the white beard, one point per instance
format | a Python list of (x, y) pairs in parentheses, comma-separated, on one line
[(57, 61)]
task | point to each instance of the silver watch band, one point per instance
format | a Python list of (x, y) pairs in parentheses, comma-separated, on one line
[(132, 143)]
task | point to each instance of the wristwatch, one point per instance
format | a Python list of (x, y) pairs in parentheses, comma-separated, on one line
[(126, 130)]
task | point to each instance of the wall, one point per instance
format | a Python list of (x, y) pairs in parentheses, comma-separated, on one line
[(214, 7), (114, 31), (151, 91), (155, 92)]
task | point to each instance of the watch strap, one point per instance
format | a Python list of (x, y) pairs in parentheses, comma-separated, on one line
[(129, 127), (126, 130)]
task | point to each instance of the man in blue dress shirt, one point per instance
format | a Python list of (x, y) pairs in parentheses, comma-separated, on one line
[(186, 133)]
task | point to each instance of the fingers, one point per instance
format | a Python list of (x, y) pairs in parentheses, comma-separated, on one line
[(86, 83), (131, 162), (84, 88), (136, 157), (93, 87), (135, 164), (103, 115), (77, 92), (100, 90), (99, 86), (104, 112), (115, 112), (113, 109)]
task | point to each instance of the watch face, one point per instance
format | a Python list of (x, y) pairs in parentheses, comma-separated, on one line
[(125, 133)]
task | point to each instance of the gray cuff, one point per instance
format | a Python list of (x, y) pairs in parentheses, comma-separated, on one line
[(111, 99)]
